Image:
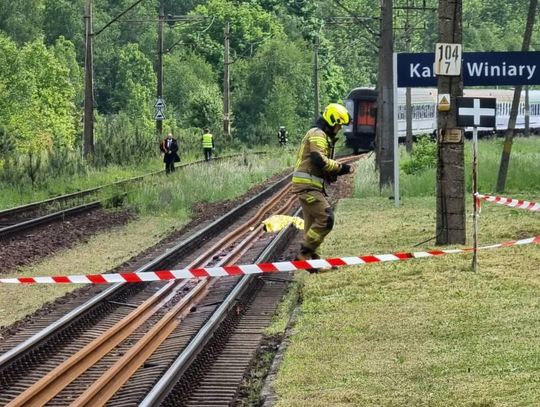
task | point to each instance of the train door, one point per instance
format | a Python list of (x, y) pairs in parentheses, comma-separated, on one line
[(365, 120)]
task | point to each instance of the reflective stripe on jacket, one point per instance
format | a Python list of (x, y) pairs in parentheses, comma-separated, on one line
[(306, 174), (207, 140)]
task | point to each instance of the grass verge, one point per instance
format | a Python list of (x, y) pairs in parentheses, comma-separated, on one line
[(425, 332), (102, 252)]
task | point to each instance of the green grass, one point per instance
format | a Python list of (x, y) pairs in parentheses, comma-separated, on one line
[(11, 196), (425, 332), (99, 254), (214, 181), (523, 174)]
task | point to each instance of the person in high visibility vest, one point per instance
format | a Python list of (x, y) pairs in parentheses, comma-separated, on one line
[(207, 144), (315, 165)]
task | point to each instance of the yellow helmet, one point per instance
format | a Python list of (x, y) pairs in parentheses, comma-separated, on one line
[(335, 113)]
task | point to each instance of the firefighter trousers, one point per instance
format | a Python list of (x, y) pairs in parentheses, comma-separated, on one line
[(318, 219)]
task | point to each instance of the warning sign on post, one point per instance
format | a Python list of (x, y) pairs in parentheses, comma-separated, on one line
[(443, 104)]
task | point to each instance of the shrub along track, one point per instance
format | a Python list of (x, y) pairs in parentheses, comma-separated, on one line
[(249, 314)]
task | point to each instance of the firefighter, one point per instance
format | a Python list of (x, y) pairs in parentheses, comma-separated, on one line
[(315, 165), (207, 144), (283, 136)]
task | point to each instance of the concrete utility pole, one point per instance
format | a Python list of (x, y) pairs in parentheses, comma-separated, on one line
[(450, 156), (317, 99), (159, 121), (88, 131), (226, 86), (385, 100)]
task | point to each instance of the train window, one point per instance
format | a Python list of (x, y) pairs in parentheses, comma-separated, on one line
[(366, 114)]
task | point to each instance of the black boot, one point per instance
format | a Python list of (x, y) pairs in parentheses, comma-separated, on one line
[(307, 254)]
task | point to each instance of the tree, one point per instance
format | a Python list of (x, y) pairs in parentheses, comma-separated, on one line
[(191, 90), (509, 135), (135, 84), (37, 103), (256, 82), (250, 27)]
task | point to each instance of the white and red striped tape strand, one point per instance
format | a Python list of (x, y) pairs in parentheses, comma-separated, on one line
[(512, 203), (162, 275)]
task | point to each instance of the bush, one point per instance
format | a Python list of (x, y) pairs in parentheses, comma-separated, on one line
[(120, 141), (423, 157)]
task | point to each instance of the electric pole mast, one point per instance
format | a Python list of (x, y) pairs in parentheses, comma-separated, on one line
[(88, 131), (226, 86), (385, 100), (450, 152), (159, 120)]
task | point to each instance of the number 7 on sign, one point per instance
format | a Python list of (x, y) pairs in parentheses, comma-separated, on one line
[(447, 59)]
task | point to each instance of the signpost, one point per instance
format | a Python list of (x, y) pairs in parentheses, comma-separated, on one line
[(476, 112), (448, 59), (160, 109)]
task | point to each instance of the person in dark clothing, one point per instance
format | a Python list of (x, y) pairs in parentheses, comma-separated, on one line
[(169, 148), (283, 136)]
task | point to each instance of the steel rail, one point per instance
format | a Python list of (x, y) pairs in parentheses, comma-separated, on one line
[(112, 380), (167, 382), (162, 388), (55, 381), (28, 224), (79, 194), (185, 245)]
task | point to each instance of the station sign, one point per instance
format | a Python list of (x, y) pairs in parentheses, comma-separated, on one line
[(478, 69)]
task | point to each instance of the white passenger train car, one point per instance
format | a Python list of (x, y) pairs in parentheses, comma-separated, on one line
[(424, 109)]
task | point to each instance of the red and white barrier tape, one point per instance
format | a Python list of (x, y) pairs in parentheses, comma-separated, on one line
[(162, 275), (512, 203)]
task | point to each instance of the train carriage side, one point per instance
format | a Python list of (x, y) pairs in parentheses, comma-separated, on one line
[(362, 102), (362, 106)]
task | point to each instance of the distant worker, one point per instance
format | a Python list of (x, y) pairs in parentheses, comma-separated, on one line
[(169, 148), (315, 165), (207, 144), (283, 136)]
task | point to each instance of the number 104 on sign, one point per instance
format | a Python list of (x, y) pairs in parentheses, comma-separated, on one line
[(447, 59)]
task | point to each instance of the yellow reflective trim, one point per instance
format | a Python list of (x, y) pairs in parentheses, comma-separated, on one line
[(319, 138), (207, 140), (319, 142), (310, 199), (314, 235), (331, 165), (299, 180)]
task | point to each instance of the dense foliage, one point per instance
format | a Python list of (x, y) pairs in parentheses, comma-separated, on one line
[(271, 66)]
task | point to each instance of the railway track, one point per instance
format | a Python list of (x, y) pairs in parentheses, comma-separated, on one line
[(26, 217), (31, 358), (176, 343)]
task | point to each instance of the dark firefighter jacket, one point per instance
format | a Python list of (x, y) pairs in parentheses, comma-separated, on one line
[(314, 163)]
